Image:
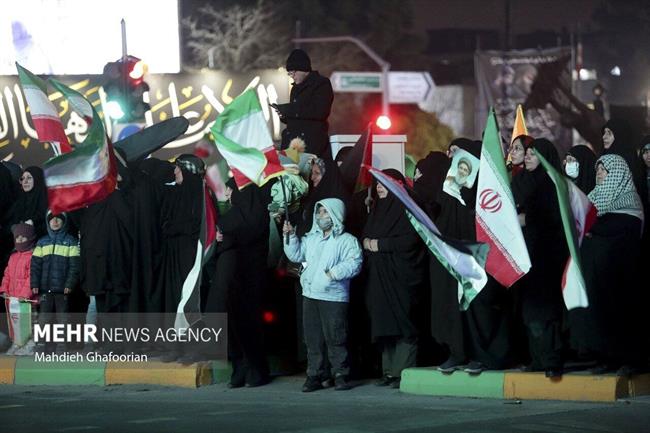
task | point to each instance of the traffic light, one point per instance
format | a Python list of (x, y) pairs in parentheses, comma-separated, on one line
[(124, 86), (383, 122)]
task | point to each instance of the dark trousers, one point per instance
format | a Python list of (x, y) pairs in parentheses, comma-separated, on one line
[(325, 325), (397, 354), (53, 309)]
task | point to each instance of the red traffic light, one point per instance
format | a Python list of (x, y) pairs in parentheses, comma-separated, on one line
[(383, 122)]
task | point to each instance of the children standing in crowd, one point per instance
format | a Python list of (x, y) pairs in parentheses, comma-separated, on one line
[(54, 271), (15, 282), (332, 258)]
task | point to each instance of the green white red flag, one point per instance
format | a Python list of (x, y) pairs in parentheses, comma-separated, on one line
[(496, 214), (465, 261), (243, 139), (87, 174), (46, 120), (578, 215)]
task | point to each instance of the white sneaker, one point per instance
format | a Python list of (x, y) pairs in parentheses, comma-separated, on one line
[(12, 349), (27, 349)]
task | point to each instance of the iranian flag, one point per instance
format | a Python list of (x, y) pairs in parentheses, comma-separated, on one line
[(243, 139), (465, 261), (88, 173), (578, 215), (496, 214), (44, 115)]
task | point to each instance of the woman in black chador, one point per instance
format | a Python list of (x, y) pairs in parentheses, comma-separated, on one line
[(394, 256), (31, 203), (106, 230), (181, 216), (478, 338), (540, 291), (609, 329), (245, 229)]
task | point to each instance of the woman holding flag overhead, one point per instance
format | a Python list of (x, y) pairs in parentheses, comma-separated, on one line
[(609, 327), (246, 227), (181, 216), (540, 290)]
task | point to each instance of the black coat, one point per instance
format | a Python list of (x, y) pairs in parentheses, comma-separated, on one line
[(306, 115), (395, 273), (106, 246), (608, 257), (540, 289)]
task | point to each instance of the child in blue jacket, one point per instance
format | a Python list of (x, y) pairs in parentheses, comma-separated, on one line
[(331, 258)]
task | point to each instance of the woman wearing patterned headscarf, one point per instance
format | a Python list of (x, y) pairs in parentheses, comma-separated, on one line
[(607, 329)]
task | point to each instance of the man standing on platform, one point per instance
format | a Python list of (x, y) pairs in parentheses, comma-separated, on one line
[(309, 107)]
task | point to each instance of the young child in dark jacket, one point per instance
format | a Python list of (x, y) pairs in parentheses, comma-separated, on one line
[(54, 270)]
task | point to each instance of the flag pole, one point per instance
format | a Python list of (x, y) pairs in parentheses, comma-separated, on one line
[(286, 208)]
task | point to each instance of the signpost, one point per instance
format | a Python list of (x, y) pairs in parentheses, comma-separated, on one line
[(409, 87), (356, 82), (404, 87)]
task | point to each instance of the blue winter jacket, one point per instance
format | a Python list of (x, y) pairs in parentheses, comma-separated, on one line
[(339, 253)]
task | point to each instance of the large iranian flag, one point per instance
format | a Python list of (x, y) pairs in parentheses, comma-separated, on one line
[(88, 173), (578, 215), (496, 214), (243, 139), (44, 115)]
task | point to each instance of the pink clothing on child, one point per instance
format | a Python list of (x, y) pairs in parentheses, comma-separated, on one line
[(16, 277)]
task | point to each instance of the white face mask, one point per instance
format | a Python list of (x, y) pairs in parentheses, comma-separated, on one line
[(572, 169)]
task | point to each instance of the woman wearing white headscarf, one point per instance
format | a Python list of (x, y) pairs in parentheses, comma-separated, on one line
[(608, 330)]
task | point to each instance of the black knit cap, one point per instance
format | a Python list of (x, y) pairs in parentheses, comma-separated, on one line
[(298, 60)]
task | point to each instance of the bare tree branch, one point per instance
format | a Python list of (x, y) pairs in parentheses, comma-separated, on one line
[(240, 38)]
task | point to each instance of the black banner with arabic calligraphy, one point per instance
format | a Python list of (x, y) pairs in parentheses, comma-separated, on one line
[(199, 97), (504, 80)]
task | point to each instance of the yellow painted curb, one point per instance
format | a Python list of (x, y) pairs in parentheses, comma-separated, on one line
[(576, 386), (639, 385), (158, 373), (7, 370)]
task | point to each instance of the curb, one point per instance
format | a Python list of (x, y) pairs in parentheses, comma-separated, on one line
[(27, 371), (511, 384)]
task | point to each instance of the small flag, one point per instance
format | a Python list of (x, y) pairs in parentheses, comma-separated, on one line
[(19, 318), (496, 213), (520, 125), (519, 129), (243, 139), (44, 115), (465, 261), (353, 168), (578, 215)]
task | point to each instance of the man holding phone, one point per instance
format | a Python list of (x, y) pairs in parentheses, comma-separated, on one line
[(309, 107)]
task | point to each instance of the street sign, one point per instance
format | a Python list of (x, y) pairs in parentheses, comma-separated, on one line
[(356, 82), (409, 87), (404, 87)]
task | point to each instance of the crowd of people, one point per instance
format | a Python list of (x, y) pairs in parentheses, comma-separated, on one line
[(364, 275)]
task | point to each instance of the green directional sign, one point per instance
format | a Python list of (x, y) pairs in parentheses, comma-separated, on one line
[(369, 82)]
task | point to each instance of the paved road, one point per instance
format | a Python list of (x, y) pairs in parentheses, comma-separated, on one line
[(281, 407)]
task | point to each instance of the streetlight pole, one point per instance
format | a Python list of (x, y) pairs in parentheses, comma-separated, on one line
[(383, 64)]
